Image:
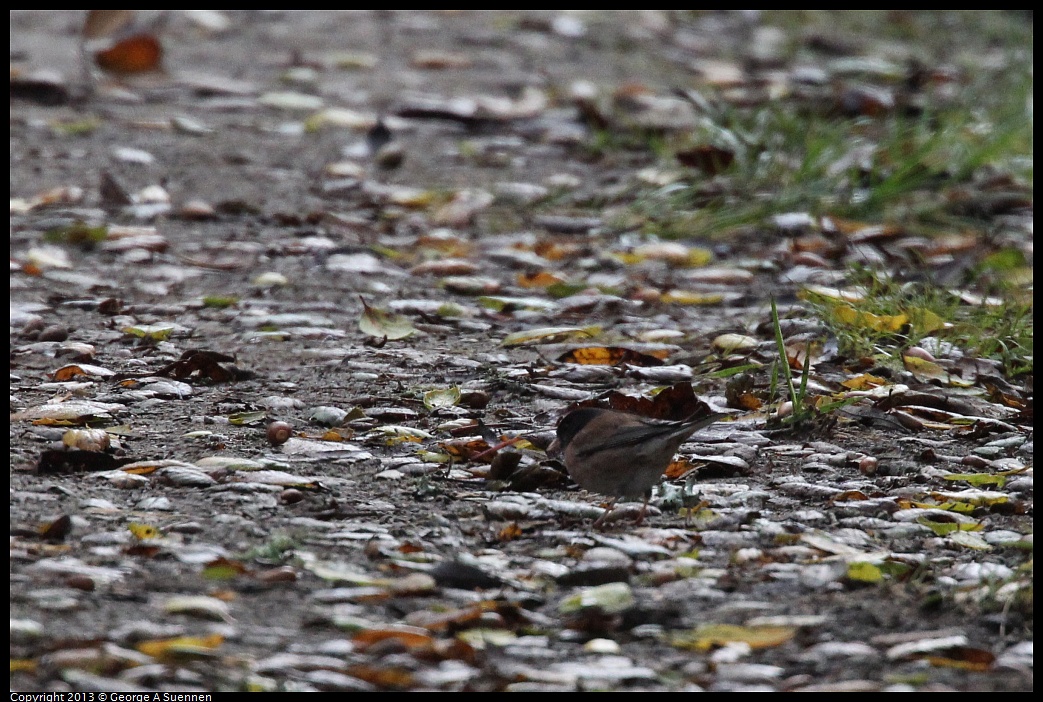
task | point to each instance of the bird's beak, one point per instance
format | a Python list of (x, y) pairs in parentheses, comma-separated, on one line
[(554, 450)]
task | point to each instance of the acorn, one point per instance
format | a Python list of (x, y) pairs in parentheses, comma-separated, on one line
[(279, 433)]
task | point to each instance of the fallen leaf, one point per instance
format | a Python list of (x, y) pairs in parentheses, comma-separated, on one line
[(180, 648), (609, 356), (611, 598), (66, 373), (383, 324), (442, 397), (925, 370), (151, 332), (964, 658), (410, 637), (224, 569), (710, 636), (548, 335), (136, 54), (688, 297), (865, 381), (543, 279), (199, 606), (863, 572), (58, 529), (709, 159), (143, 531)]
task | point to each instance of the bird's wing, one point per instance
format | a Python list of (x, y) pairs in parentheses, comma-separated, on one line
[(651, 429)]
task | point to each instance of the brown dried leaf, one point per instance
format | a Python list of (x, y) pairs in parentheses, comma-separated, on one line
[(55, 462), (709, 159), (140, 53), (465, 449), (385, 677), (201, 363), (58, 529), (411, 637)]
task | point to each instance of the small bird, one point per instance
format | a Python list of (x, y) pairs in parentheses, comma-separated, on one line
[(621, 454)]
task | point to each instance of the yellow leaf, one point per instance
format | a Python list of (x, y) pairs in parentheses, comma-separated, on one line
[(711, 636), (924, 370), (143, 531), (698, 256), (864, 573), (180, 647), (978, 479), (689, 297), (152, 332), (867, 320), (549, 335), (925, 321), (412, 197), (864, 381), (627, 258), (543, 279)]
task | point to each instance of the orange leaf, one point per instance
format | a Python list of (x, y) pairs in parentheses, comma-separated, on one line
[(137, 54), (964, 658), (678, 468), (554, 251), (850, 495), (510, 532), (608, 356), (863, 382), (465, 449), (749, 401), (393, 678), (543, 279), (67, 373), (339, 434), (408, 638)]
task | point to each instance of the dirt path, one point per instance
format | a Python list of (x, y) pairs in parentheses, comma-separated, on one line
[(247, 212)]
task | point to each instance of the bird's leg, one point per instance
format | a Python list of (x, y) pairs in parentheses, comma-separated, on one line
[(600, 521), (644, 508)]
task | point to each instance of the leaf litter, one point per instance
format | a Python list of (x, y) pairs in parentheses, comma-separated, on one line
[(535, 240)]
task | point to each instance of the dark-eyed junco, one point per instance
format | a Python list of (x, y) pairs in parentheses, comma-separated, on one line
[(621, 454)]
